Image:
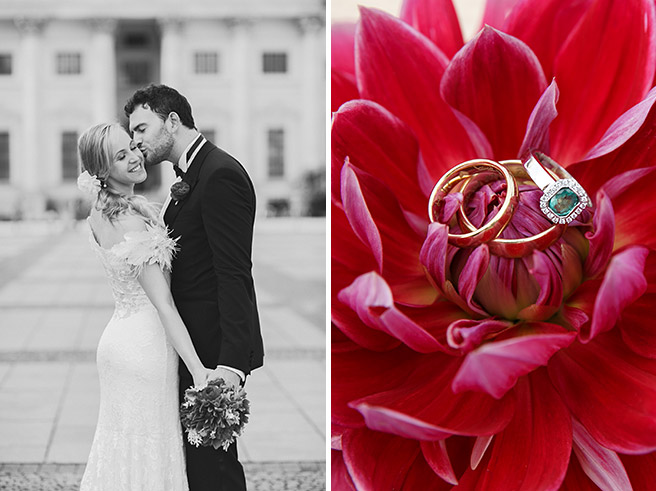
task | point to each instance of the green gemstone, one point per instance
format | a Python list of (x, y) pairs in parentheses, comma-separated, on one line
[(563, 202)]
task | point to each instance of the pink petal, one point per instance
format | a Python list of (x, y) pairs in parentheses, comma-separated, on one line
[(408, 87), (576, 479), (601, 240), (548, 277), (358, 214), (478, 452), (532, 452), (433, 252), (377, 142), (496, 11), (637, 320), (342, 47), (495, 367), (349, 259), (601, 465), (624, 127), (545, 25), (437, 458), (495, 80), (425, 408), (467, 334), (623, 283), (474, 269), (377, 460), (626, 145), (339, 476), (610, 390), (371, 297), (594, 95), (537, 129), (342, 89), (437, 20)]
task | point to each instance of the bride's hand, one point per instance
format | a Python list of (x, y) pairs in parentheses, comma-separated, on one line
[(201, 377)]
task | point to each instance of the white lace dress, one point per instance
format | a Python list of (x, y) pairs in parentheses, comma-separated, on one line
[(138, 441)]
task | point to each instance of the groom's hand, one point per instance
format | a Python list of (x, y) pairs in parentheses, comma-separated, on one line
[(230, 377)]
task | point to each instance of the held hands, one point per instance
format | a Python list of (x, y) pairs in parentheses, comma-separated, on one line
[(230, 377), (201, 377)]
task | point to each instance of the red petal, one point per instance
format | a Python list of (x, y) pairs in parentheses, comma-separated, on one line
[(532, 452), (437, 458), (537, 129), (611, 390), (641, 470), (360, 373), (339, 477), (545, 25), (378, 460), (342, 47), (371, 297), (637, 321), (623, 283), (401, 69), (601, 465), (632, 197), (494, 368), (422, 476), (620, 38), (342, 89), (435, 19), (426, 408), (626, 145), (377, 142), (495, 80), (576, 480)]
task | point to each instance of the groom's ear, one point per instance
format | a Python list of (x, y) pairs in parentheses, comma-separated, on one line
[(174, 120)]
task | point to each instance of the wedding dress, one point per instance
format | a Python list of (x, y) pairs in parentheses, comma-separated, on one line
[(138, 441)]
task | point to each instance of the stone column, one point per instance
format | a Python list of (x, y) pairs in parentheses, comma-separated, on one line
[(312, 137), (240, 107), (103, 68), (32, 137), (171, 54)]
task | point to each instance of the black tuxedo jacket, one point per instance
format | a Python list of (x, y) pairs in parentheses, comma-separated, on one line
[(211, 281)]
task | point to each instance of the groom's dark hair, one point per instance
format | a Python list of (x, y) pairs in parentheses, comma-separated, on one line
[(162, 100)]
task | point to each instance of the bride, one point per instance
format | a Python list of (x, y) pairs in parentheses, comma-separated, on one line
[(138, 440)]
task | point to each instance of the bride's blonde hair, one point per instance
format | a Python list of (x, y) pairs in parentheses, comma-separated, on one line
[(96, 156)]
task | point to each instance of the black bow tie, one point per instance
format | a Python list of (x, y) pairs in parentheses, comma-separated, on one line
[(178, 171)]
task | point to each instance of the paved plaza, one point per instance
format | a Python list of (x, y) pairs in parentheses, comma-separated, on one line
[(54, 304)]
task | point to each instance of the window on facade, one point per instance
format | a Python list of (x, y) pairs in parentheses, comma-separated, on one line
[(136, 39), (69, 63), (276, 152), (5, 64), (206, 62), (69, 155), (274, 62), (4, 156), (137, 72)]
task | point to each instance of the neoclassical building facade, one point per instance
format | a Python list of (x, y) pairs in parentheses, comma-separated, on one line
[(253, 71)]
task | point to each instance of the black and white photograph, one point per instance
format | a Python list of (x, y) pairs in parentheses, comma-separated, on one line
[(163, 245)]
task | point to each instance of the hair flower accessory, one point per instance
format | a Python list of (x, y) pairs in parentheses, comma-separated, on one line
[(88, 184)]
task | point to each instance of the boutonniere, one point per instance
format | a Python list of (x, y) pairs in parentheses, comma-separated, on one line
[(179, 190)]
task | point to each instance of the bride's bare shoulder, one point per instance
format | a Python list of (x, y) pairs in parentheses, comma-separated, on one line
[(110, 232)]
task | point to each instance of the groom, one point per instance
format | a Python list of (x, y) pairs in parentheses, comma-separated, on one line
[(212, 210)]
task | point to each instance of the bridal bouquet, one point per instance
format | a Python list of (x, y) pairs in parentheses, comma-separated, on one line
[(215, 414)]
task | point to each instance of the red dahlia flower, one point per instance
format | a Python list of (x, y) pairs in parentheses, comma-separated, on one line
[(455, 367)]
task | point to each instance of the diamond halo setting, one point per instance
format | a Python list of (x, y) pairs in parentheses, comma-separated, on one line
[(564, 200)]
